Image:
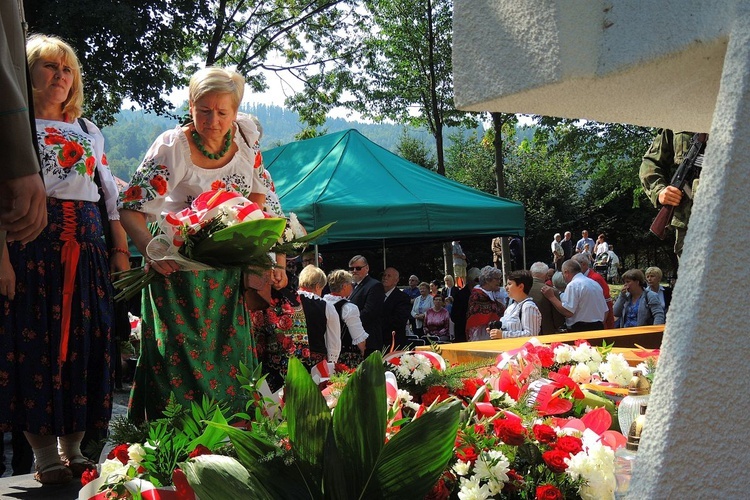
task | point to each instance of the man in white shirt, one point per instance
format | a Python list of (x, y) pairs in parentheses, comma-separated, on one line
[(582, 303)]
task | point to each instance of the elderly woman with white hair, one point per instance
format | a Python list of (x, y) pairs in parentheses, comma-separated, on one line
[(196, 328), (486, 303)]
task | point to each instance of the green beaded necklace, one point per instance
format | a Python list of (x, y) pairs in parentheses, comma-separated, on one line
[(202, 148)]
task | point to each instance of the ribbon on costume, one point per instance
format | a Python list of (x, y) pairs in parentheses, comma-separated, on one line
[(70, 254)]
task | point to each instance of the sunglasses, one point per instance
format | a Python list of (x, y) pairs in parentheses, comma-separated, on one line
[(356, 268)]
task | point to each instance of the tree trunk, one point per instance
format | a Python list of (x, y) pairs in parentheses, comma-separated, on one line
[(498, 119)]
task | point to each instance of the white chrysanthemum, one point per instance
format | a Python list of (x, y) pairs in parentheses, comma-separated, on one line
[(616, 370), (404, 396), (403, 370), (471, 489), (461, 468), (492, 465), (136, 453), (410, 361), (580, 373), (563, 354), (419, 375), (288, 235), (583, 353), (596, 466)]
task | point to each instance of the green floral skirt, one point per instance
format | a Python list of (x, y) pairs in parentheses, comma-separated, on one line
[(195, 333)]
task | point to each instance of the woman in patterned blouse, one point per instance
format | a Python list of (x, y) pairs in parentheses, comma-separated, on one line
[(196, 328), (57, 311)]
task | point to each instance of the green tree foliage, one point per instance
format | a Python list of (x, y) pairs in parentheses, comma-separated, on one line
[(130, 49), (405, 73), (414, 150), (142, 50)]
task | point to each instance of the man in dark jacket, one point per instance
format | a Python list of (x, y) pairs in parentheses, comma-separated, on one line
[(368, 296), (396, 310)]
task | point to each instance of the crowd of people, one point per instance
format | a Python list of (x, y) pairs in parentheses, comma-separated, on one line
[(56, 293)]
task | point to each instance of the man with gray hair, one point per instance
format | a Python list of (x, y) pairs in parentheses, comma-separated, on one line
[(582, 304), (583, 261), (552, 320), (369, 296)]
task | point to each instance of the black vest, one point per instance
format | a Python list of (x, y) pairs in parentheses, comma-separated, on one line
[(346, 337), (315, 318)]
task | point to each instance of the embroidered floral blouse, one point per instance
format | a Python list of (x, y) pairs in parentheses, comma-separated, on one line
[(70, 157), (168, 181)]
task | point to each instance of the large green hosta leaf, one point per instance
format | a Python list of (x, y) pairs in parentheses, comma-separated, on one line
[(239, 245), (359, 423), (414, 459), (308, 421), (345, 457)]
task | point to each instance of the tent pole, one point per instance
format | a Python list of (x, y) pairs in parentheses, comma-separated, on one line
[(317, 256), (523, 242), (384, 263)]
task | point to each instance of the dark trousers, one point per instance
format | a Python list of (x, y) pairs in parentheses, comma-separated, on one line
[(23, 455), (584, 326)]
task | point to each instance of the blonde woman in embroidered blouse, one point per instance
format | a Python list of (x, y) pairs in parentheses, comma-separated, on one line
[(59, 307)]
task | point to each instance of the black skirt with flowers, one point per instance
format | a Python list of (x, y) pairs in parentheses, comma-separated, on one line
[(40, 393)]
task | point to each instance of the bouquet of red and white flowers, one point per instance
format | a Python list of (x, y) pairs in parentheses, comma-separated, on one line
[(221, 229)]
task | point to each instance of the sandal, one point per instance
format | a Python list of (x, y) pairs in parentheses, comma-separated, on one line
[(54, 474), (78, 465)]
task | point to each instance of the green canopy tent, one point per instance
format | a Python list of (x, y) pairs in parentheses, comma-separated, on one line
[(376, 196)]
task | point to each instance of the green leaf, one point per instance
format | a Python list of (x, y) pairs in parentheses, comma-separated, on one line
[(315, 234), (308, 420), (359, 423), (415, 458), (239, 245), (249, 446), (219, 477), (211, 436)]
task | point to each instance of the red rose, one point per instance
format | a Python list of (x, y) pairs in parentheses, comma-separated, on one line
[(285, 322), (511, 431), (159, 184), (555, 460), (548, 492), (200, 450), (132, 193), (70, 154), (569, 444), (544, 433), (305, 352), (287, 343), (434, 393), (120, 453), (467, 454), (439, 492), (88, 475)]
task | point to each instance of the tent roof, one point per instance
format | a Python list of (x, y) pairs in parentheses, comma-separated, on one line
[(373, 194)]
